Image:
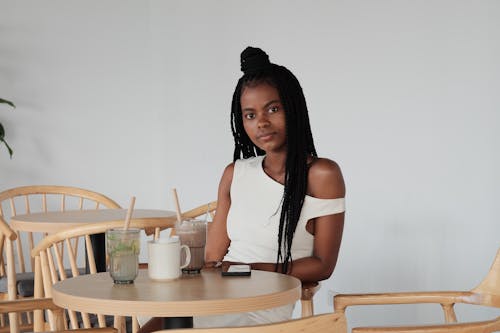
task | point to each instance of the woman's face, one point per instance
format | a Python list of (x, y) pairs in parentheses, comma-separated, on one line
[(264, 117)]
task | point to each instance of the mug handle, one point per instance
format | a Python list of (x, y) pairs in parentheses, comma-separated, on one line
[(188, 255)]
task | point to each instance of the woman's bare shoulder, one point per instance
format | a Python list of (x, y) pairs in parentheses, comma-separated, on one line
[(325, 179), (229, 169), (227, 176)]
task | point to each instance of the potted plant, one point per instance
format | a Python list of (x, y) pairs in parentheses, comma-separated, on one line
[(2, 131)]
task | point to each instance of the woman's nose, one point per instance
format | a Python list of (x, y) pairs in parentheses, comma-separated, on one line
[(262, 121)]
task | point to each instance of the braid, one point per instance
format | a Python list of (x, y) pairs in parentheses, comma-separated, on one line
[(300, 144)]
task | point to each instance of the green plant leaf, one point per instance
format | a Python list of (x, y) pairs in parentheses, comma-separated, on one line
[(2, 135), (4, 101)]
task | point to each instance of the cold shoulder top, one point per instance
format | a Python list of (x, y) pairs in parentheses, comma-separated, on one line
[(253, 218)]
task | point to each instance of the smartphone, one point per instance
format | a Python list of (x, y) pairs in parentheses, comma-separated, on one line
[(237, 270)]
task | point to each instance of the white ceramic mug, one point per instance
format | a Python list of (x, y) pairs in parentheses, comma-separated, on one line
[(165, 258)]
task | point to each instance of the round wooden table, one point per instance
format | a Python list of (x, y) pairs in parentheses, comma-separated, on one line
[(207, 293), (50, 222)]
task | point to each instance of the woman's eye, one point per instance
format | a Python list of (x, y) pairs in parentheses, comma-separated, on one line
[(273, 109), (249, 115)]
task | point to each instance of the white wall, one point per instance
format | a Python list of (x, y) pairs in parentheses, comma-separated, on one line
[(133, 98)]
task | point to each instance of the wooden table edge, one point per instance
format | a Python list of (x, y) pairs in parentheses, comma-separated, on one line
[(178, 308)]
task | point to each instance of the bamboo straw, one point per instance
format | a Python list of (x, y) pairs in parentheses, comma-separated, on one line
[(129, 213), (177, 207)]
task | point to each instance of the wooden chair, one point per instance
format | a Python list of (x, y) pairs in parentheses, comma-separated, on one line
[(25, 305), (473, 327), (306, 299), (50, 265), (486, 294), (325, 323), (208, 208), (32, 199), (41, 198), (8, 236)]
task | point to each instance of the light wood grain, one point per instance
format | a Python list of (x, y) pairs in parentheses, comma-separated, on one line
[(6, 231), (58, 190), (56, 221), (190, 214), (27, 305), (203, 294), (308, 289), (39, 198), (91, 330), (52, 267), (325, 323), (486, 294), (200, 210), (101, 227), (24, 305), (472, 327), (21, 200), (306, 299)]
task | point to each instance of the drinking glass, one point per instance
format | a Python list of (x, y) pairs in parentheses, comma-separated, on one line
[(123, 247), (193, 233)]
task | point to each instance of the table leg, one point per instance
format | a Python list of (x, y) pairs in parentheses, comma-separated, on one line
[(177, 322), (99, 249)]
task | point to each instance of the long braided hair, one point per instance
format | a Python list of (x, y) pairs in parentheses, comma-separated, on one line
[(258, 69)]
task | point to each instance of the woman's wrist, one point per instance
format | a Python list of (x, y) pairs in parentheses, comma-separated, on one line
[(212, 264)]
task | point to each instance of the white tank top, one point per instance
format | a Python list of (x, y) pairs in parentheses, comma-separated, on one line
[(254, 215)]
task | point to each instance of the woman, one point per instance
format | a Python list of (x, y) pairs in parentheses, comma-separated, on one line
[(280, 207)]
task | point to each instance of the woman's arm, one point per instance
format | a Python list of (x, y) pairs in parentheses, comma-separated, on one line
[(325, 181), (218, 240)]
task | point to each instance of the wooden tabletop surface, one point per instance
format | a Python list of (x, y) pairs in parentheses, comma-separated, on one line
[(202, 294), (55, 221)]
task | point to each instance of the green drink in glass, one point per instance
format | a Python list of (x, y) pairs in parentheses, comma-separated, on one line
[(123, 247)]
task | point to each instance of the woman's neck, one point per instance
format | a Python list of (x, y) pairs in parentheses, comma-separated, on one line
[(274, 166)]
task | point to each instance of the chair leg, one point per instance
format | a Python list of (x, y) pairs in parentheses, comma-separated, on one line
[(307, 308), (306, 298), (449, 313)]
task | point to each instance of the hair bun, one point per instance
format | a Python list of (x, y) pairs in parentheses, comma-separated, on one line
[(253, 59)]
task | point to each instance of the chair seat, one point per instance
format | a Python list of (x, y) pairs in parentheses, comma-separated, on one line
[(25, 284)]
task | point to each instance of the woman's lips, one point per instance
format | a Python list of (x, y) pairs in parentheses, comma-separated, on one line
[(265, 136)]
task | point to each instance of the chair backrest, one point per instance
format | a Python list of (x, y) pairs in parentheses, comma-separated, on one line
[(486, 294), (208, 208), (489, 288), (44, 198), (324, 323), (51, 264), (470, 327)]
